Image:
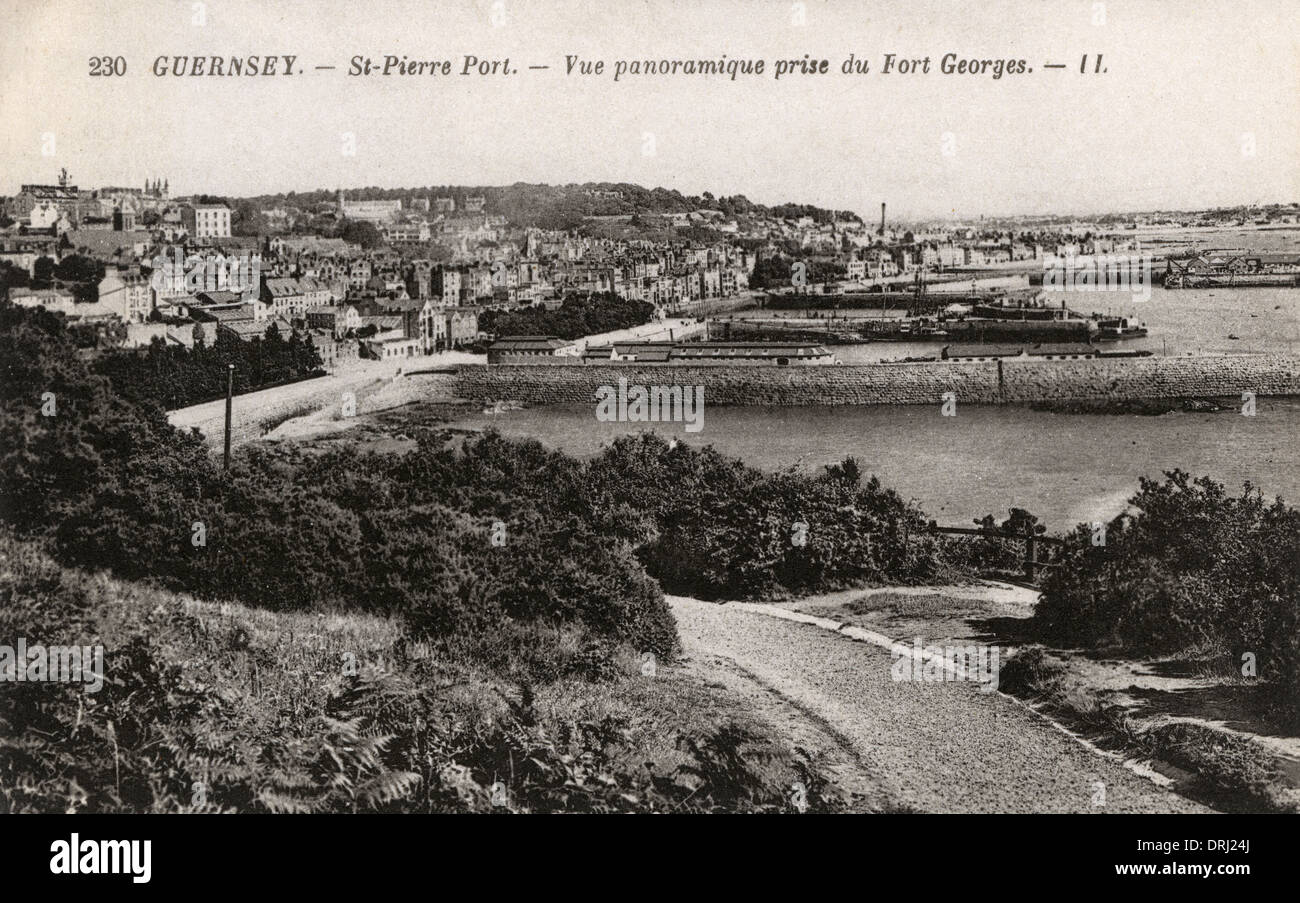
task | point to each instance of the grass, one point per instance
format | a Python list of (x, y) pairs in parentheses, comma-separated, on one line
[(1227, 766), (344, 712), (914, 605), (305, 409)]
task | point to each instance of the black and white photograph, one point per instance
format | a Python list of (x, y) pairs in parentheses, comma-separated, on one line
[(751, 407)]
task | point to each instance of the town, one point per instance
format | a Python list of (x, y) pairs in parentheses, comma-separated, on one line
[(401, 274)]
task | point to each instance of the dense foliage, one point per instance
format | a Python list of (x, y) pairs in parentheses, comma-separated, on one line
[(174, 376), (360, 232), (220, 708), (76, 273), (1191, 565), (207, 706), (777, 272), (566, 206), (455, 537), (716, 528), (12, 276), (114, 486), (578, 316)]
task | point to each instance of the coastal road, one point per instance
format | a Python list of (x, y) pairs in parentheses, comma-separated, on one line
[(250, 411), (251, 408), (935, 747)]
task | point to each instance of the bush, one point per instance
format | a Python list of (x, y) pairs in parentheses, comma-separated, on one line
[(114, 486), (710, 526), (1192, 566), (1030, 672)]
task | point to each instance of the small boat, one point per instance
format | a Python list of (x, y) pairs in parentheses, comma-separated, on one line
[(1119, 328), (1233, 336)]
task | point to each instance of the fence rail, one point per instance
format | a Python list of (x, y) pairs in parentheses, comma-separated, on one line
[(1029, 538)]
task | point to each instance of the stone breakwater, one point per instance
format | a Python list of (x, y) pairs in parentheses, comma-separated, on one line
[(975, 382)]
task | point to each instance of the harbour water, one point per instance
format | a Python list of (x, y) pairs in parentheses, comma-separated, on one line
[(1183, 321), (1066, 468)]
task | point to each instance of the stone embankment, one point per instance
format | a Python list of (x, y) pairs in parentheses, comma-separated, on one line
[(975, 382)]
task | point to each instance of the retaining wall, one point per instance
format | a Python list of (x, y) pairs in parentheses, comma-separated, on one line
[(974, 382)]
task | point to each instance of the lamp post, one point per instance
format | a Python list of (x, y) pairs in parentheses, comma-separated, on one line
[(230, 390)]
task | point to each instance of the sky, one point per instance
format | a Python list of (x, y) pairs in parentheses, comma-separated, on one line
[(1199, 105)]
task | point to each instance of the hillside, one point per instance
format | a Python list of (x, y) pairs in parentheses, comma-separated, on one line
[(209, 707), (565, 206)]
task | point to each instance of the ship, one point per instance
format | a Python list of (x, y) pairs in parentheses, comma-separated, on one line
[(1112, 329)]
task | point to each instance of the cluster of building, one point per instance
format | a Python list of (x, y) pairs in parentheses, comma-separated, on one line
[(439, 262), (236, 288), (1231, 267), (64, 209), (170, 264), (904, 255)]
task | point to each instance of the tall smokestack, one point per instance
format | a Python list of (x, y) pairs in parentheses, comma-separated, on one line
[(882, 217)]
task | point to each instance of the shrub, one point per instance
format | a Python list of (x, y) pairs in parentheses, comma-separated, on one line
[(213, 709), (715, 528), (1191, 566)]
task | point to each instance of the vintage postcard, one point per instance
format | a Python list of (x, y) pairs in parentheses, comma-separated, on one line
[(716, 407)]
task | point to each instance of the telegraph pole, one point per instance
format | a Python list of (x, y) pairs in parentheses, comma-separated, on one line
[(230, 390)]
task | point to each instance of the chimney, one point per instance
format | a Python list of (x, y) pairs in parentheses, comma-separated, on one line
[(882, 217)]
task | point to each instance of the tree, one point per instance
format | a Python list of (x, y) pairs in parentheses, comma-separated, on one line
[(43, 273), (770, 272), (79, 268), (247, 219), (13, 277), (82, 274), (361, 233), (303, 357)]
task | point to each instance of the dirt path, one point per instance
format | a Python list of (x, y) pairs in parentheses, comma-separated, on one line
[(940, 747)]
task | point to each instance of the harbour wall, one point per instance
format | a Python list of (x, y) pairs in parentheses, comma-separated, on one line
[(973, 382)]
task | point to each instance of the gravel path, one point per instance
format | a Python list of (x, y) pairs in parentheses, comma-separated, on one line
[(938, 747)]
